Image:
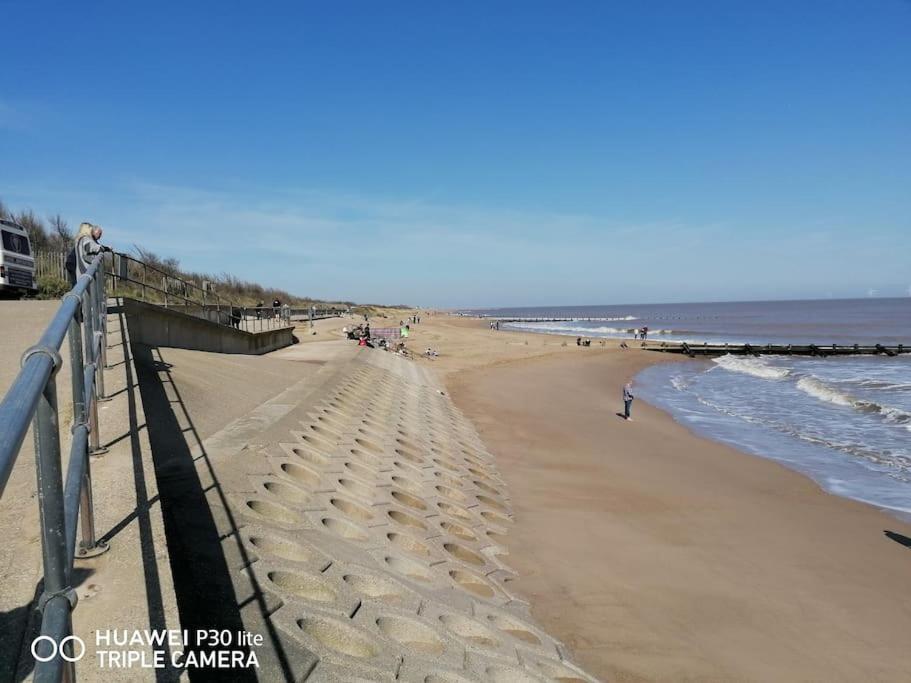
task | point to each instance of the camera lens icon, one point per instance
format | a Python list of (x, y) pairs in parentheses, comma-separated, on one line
[(58, 648)]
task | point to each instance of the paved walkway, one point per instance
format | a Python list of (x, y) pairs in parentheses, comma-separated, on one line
[(328, 499)]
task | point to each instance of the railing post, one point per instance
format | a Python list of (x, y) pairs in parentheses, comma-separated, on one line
[(103, 316), (91, 402), (50, 506), (88, 546), (96, 350), (95, 447)]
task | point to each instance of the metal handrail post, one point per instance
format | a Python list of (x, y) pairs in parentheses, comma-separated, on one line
[(98, 341), (95, 447), (103, 315), (58, 593), (77, 374), (89, 544), (88, 328)]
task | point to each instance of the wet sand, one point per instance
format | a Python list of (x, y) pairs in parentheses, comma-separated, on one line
[(659, 555)]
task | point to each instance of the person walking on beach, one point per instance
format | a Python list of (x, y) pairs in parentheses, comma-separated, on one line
[(627, 400)]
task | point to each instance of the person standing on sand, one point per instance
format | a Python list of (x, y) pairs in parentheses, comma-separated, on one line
[(627, 400)]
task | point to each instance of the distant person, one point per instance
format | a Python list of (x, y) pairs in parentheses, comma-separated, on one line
[(84, 250), (235, 317), (644, 333), (635, 333), (628, 400), (367, 330), (578, 341)]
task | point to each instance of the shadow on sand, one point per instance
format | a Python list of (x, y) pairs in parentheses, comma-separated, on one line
[(898, 538)]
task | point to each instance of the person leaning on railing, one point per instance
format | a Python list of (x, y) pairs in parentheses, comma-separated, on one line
[(86, 248)]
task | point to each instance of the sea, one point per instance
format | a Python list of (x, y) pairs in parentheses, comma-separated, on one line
[(843, 421)]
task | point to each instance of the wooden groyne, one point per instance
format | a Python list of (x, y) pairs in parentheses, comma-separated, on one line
[(819, 350)]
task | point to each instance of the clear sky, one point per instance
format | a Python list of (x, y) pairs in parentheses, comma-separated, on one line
[(471, 154)]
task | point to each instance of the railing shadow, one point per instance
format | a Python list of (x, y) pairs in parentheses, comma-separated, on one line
[(20, 626), (141, 514), (205, 593)]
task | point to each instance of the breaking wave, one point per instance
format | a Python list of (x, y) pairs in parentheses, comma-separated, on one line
[(825, 392), (756, 367), (812, 386)]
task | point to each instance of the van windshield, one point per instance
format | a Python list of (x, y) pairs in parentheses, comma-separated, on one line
[(18, 244)]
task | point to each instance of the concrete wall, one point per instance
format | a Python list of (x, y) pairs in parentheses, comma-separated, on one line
[(159, 326)]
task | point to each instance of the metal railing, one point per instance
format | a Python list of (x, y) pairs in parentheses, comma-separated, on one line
[(65, 505), (155, 285), (32, 399)]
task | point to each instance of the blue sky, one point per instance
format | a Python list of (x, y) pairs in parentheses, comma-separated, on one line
[(472, 154)]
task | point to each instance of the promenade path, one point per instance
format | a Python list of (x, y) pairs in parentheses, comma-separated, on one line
[(328, 498)]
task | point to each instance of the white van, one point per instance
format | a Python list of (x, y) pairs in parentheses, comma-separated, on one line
[(17, 263)]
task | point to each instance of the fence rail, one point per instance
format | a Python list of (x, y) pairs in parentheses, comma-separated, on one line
[(66, 504), (50, 264), (154, 285)]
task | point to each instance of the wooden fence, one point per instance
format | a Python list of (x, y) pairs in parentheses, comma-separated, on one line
[(51, 264)]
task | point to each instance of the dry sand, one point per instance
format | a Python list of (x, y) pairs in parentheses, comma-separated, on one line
[(658, 555)]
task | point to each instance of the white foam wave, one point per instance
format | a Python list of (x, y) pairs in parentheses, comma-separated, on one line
[(751, 366), (896, 415), (880, 384), (814, 387), (679, 383), (624, 318)]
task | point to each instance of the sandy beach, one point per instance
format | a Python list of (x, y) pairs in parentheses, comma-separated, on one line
[(659, 555)]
